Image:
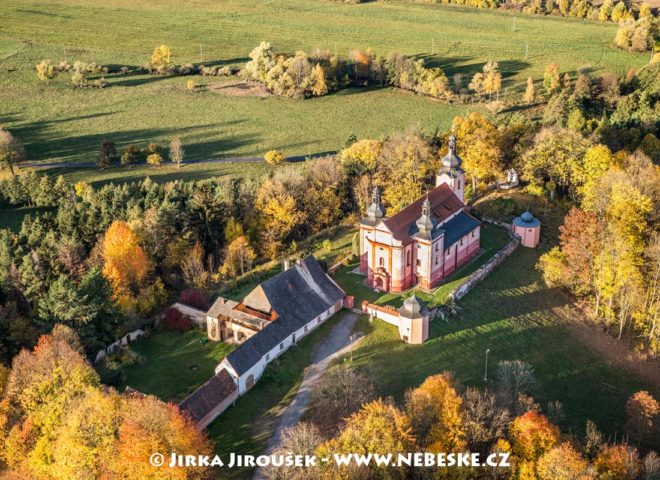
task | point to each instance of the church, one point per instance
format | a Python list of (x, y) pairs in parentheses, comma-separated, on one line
[(426, 241)]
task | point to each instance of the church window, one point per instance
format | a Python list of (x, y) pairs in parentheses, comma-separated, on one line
[(436, 246), (461, 242), (408, 257), (448, 252), (474, 232), (436, 260), (419, 262), (381, 261), (459, 184)]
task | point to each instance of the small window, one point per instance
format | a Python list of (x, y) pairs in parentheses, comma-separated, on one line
[(381, 249), (459, 184), (436, 246), (529, 230), (408, 257), (282, 346), (419, 262), (461, 242), (381, 261), (448, 253), (436, 260), (474, 233)]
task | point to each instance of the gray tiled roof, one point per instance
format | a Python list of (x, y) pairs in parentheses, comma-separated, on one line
[(458, 227), (297, 295)]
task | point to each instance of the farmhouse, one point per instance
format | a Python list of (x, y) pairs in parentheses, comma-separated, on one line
[(269, 320), (424, 242)]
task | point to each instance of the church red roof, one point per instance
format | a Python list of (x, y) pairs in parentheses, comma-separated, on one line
[(443, 204)]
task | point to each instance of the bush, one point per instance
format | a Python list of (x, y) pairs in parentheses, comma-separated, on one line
[(175, 320), (194, 298), (131, 155), (274, 157)]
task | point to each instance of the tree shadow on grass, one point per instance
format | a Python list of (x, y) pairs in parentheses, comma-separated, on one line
[(44, 145)]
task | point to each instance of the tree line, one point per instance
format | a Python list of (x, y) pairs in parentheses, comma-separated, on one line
[(442, 416)]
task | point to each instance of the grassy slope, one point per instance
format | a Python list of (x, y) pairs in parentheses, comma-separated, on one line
[(57, 122), (175, 364), (517, 317)]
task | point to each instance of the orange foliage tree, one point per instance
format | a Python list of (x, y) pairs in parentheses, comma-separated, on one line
[(532, 435), (618, 462), (126, 265)]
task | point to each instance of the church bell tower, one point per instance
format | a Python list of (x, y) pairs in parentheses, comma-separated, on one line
[(451, 172)]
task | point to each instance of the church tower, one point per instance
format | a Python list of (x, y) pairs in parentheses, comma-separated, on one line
[(451, 172)]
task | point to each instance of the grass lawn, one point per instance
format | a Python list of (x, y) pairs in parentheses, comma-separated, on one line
[(164, 173), (175, 363), (513, 314), (492, 239), (246, 427), (57, 122), (12, 218)]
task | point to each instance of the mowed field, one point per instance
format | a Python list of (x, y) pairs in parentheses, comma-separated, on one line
[(59, 123)]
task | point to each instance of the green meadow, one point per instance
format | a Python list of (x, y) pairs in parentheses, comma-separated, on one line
[(59, 123)]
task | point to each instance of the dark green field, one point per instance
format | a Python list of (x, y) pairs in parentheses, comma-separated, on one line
[(57, 122)]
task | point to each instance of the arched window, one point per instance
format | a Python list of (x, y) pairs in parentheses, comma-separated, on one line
[(408, 258), (381, 261)]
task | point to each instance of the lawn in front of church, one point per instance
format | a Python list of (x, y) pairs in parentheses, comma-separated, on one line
[(515, 315)]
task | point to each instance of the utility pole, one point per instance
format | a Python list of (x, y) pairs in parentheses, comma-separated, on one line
[(486, 366)]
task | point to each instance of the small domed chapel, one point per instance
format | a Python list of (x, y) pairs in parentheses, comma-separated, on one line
[(426, 241)]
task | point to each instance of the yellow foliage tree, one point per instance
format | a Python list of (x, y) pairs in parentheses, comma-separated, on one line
[(482, 155), (446, 432), (278, 213), (274, 157), (561, 463), (529, 91), (378, 427), (320, 87), (161, 57), (126, 265)]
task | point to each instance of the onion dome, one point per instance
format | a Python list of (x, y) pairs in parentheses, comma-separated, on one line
[(526, 220), (425, 223), (451, 160), (376, 211), (412, 307)]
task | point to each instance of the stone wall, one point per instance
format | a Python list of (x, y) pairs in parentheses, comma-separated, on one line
[(198, 317), (125, 340), (466, 285)]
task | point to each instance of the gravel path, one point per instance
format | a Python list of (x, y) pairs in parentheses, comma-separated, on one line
[(335, 344)]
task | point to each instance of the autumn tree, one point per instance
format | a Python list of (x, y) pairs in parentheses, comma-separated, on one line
[(11, 151), (239, 257), (435, 410), (161, 58), (278, 212), (194, 267), (482, 154), (562, 463), (177, 152), (642, 410), (483, 420), (379, 427), (532, 436), (320, 87), (551, 78), (46, 71), (155, 159), (556, 155), (125, 263), (492, 78), (617, 462), (274, 157)]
